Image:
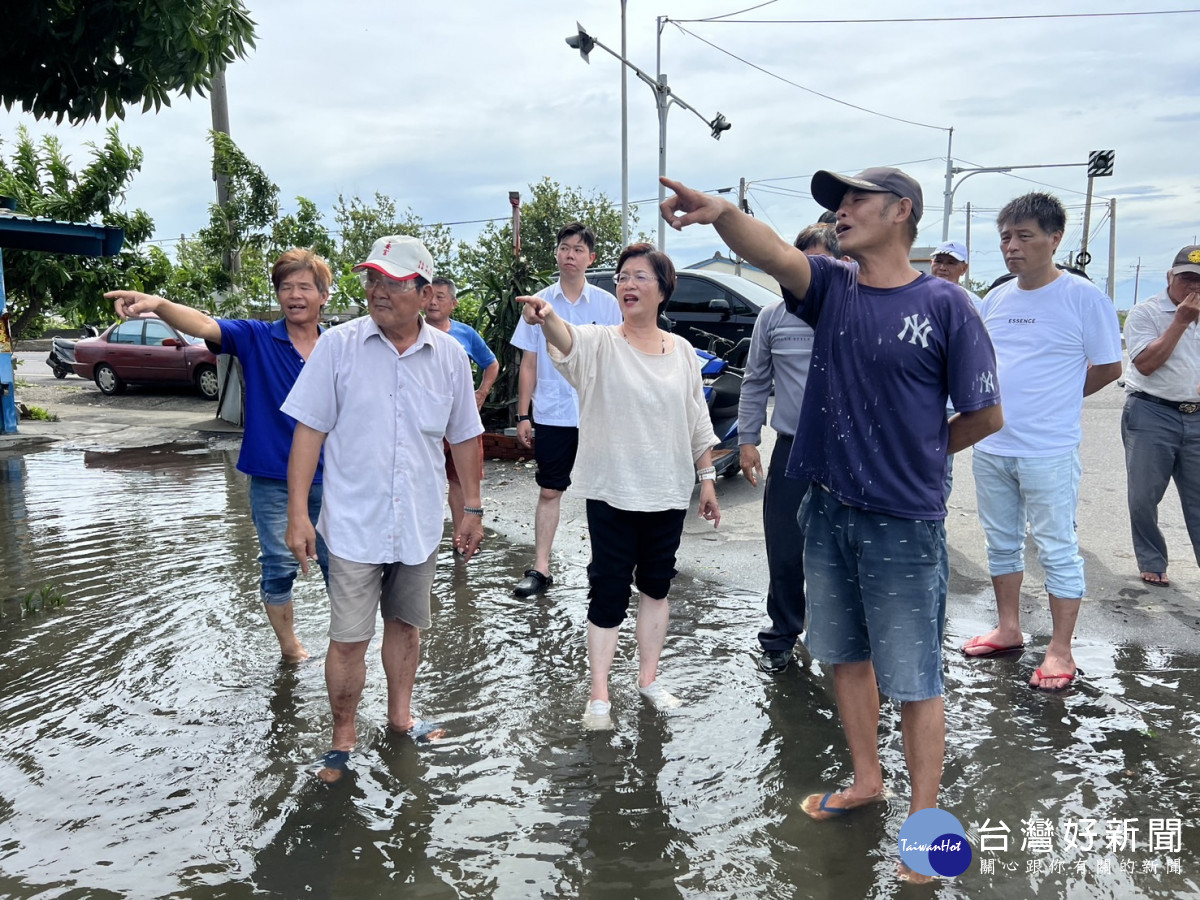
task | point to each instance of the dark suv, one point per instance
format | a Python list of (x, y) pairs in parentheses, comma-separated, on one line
[(715, 302)]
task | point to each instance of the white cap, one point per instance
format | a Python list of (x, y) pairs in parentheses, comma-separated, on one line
[(400, 257), (952, 248)]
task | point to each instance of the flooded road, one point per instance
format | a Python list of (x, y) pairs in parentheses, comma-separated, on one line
[(154, 746)]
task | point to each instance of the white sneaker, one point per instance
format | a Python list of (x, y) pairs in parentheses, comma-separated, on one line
[(658, 696), (596, 716)]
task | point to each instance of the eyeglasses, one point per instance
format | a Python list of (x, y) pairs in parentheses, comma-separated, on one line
[(642, 278), (374, 279)]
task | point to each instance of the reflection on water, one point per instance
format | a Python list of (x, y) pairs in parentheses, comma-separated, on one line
[(154, 746)]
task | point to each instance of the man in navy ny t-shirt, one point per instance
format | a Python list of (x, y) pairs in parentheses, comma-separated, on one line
[(271, 354), (890, 346)]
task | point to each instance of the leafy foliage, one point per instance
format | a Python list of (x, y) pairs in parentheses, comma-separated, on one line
[(83, 59), (496, 319), (39, 175)]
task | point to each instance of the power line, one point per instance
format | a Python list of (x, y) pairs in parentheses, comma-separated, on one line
[(816, 93), (723, 20)]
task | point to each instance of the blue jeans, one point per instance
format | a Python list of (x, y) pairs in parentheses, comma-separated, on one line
[(268, 510), (1040, 491), (874, 593)]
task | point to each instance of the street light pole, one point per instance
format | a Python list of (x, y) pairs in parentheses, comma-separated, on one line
[(624, 140), (975, 170), (663, 98)]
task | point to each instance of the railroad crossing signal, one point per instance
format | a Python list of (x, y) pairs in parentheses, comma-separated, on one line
[(1100, 163)]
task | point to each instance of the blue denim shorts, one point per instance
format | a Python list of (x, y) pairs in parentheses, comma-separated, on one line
[(1040, 491), (268, 509), (874, 593)]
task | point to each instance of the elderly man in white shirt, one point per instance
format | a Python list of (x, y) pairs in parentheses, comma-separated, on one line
[(380, 393), (1160, 425)]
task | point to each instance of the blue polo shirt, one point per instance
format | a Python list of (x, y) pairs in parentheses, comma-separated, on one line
[(472, 341), (270, 364), (873, 419)]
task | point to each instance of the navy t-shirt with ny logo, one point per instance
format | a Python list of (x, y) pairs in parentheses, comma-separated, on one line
[(873, 422)]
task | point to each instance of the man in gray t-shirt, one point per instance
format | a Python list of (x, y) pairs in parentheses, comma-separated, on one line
[(780, 351)]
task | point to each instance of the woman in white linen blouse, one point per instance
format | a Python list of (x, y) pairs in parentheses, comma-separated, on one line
[(644, 434)]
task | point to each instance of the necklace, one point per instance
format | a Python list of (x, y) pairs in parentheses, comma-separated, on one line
[(662, 337)]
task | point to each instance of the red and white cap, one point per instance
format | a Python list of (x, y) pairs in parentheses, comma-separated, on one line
[(399, 256)]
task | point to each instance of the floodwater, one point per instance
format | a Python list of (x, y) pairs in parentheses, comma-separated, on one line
[(154, 746)]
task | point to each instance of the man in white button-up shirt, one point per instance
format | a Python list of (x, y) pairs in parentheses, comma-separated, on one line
[(544, 397), (1160, 424), (380, 394)]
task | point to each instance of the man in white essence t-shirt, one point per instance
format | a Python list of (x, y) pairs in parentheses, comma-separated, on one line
[(1057, 340)]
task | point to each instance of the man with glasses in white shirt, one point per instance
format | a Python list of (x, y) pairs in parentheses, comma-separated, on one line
[(544, 397), (380, 393)]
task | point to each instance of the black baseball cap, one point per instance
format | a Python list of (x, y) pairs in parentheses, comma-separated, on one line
[(828, 188)]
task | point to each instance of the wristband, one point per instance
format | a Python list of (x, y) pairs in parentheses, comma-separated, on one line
[(707, 470), (524, 419), (473, 510), (708, 476)]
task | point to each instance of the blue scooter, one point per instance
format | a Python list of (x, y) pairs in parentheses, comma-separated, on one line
[(722, 390)]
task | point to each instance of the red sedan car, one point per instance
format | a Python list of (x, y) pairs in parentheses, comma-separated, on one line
[(146, 350)]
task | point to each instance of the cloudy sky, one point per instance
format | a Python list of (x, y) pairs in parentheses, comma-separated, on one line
[(447, 106)]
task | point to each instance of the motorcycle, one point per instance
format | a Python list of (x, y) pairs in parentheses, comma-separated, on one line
[(722, 390), (62, 357), (62, 353)]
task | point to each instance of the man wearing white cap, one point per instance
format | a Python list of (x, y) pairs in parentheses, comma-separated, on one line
[(380, 393), (949, 263), (890, 344), (1160, 424)]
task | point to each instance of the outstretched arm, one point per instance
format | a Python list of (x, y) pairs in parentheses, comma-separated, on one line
[(754, 241), (538, 311), (182, 318)]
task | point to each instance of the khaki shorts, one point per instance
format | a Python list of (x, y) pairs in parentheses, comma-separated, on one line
[(357, 590)]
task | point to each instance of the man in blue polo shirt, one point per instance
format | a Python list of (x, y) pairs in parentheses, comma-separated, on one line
[(272, 355), (440, 303)]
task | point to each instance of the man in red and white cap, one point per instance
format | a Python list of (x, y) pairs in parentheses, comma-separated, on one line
[(380, 393), (1160, 424)]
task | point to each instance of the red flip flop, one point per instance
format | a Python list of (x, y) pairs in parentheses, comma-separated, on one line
[(1042, 676)]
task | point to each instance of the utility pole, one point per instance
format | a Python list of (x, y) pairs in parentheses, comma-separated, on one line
[(1100, 165), (219, 103), (1137, 274), (737, 260), (968, 229), (1112, 249)]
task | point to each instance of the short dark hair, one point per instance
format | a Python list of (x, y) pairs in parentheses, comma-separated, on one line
[(577, 228), (299, 259), (825, 235), (1046, 209), (446, 282), (829, 217), (664, 269)]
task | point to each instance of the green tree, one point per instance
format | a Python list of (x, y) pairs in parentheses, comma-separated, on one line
[(225, 266), (82, 59), (40, 177)]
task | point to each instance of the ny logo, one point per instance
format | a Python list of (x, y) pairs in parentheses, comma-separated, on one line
[(920, 331), (986, 384), (387, 247)]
